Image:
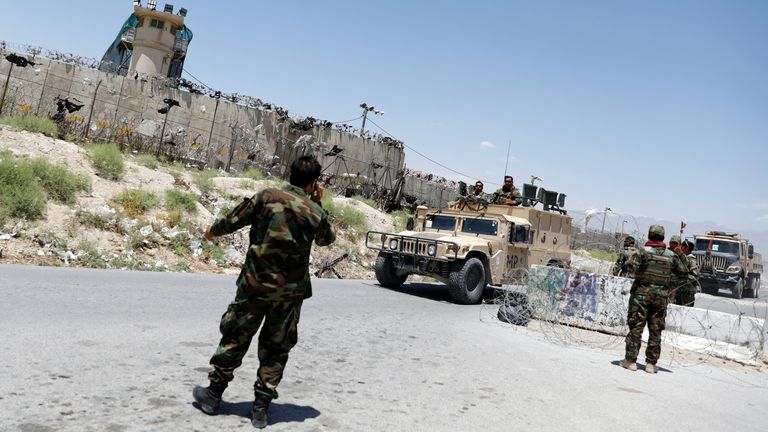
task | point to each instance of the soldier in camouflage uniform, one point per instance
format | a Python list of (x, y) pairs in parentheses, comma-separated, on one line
[(686, 291), (508, 194), (674, 242), (618, 268), (655, 268), (478, 192), (272, 285)]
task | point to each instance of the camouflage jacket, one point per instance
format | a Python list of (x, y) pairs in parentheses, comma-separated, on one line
[(638, 259), (284, 222), (501, 197), (692, 282), (618, 268)]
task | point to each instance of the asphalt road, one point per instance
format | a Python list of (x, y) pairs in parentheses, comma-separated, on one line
[(724, 302), (94, 350)]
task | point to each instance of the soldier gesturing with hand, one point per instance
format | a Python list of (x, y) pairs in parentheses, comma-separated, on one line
[(272, 285)]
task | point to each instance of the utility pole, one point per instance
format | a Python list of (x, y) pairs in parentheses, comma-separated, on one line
[(605, 213), (366, 109), (169, 103)]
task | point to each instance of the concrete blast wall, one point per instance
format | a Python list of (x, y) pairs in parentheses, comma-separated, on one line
[(599, 302), (428, 192), (203, 129)]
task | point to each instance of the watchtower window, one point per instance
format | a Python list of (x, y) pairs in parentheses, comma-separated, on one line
[(160, 24)]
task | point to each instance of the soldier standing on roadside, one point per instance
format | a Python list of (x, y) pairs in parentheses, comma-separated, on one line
[(618, 268), (674, 242), (508, 194), (272, 285), (655, 268), (686, 292)]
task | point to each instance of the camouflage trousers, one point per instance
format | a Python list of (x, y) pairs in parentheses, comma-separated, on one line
[(278, 335), (685, 297), (645, 307)]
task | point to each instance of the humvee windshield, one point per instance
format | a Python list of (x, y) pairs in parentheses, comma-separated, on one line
[(440, 222), (702, 244), (480, 226)]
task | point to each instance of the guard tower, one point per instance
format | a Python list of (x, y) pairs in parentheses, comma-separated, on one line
[(152, 42)]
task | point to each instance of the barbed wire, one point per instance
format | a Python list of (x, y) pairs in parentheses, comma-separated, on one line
[(565, 304)]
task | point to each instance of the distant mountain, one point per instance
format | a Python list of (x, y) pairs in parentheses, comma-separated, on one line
[(639, 225)]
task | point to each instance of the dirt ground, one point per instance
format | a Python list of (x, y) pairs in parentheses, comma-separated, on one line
[(57, 239)]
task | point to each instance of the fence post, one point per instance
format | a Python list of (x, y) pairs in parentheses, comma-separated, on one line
[(5, 88), (42, 92), (90, 112)]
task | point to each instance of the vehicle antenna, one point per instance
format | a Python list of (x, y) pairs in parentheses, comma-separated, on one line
[(507, 161)]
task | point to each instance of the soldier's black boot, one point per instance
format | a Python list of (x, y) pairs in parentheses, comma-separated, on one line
[(209, 397), (259, 412)]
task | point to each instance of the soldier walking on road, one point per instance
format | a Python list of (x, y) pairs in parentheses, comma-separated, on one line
[(508, 194), (655, 268), (272, 285)]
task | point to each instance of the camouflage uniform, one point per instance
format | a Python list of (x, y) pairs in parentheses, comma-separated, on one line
[(501, 196), (618, 268), (689, 285), (648, 301), (273, 282)]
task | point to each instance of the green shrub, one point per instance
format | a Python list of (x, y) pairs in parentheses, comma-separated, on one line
[(399, 219), (345, 216), (55, 241), (21, 196), (136, 201), (602, 255), (252, 174), (179, 201), (107, 160), (90, 256), (60, 183), (147, 160), (180, 244), (203, 179), (364, 200), (41, 125), (215, 252), (91, 220)]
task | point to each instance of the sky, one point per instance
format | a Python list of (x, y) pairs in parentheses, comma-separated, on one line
[(653, 108)]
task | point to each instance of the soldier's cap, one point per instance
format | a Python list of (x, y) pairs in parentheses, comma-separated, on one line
[(675, 238), (687, 244), (656, 230), (629, 241)]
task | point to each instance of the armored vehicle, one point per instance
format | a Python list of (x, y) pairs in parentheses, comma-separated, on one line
[(472, 244), (728, 261)]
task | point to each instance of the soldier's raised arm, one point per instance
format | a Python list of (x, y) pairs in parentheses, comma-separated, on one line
[(237, 218), (325, 234)]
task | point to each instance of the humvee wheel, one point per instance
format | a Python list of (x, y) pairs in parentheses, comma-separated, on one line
[(467, 281), (385, 274)]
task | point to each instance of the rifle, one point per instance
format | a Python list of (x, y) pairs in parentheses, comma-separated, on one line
[(329, 266)]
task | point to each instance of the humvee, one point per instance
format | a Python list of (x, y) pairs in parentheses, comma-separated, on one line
[(471, 243), (728, 261)]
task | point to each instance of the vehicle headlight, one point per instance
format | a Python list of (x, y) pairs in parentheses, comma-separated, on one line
[(431, 250), (733, 269), (393, 244)]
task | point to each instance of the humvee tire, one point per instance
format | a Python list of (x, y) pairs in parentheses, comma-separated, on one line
[(467, 281), (385, 273)]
